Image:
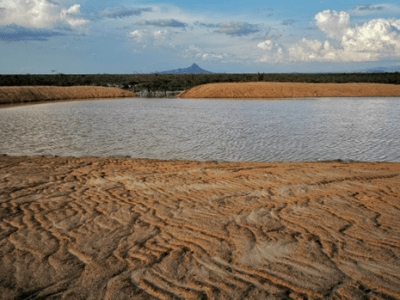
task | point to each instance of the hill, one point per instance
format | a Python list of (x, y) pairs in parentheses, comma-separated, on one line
[(383, 69), (19, 94), (277, 90)]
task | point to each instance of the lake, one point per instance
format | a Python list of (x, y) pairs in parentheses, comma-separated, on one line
[(359, 129)]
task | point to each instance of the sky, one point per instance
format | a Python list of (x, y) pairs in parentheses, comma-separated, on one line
[(236, 36)]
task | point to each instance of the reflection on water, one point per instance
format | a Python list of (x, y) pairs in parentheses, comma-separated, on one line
[(362, 129)]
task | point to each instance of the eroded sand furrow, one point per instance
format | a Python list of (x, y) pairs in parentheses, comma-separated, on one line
[(80, 228)]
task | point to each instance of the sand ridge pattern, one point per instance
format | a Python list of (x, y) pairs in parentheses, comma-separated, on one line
[(278, 90), (121, 228), (20, 94)]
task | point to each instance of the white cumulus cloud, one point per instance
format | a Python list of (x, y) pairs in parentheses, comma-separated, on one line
[(196, 52), (139, 36), (374, 40), (333, 23), (40, 14), (145, 38), (266, 45)]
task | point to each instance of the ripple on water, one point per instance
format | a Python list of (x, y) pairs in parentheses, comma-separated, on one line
[(360, 129)]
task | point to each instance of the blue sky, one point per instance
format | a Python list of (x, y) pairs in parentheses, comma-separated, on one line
[(237, 36)]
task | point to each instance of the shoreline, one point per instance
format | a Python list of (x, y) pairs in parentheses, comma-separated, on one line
[(288, 90), (28, 95), (88, 227), (342, 161), (10, 95), (53, 101)]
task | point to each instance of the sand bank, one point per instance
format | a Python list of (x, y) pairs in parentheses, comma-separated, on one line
[(91, 228), (268, 90), (19, 94)]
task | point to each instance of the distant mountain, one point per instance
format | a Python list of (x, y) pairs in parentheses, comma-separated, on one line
[(193, 69), (383, 70)]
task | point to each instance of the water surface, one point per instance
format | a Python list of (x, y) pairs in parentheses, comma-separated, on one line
[(361, 129)]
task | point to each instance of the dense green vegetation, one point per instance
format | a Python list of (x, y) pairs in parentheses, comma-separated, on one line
[(179, 82)]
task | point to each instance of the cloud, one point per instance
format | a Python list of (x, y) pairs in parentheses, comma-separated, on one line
[(310, 50), (67, 16), (211, 56), (53, 2), (123, 12), (232, 28), (160, 34), (375, 40), (334, 24), (145, 38), (369, 9), (273, 57), (162, 23), (274, 52), (196, 52), (273, 34), (197, 23), (40, 14), (14, 32), (288, 22), (139, 36), (266, 45), (191, 50), (237, 28)]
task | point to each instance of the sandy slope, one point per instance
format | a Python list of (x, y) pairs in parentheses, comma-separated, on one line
[(265, 90), (18, 94), (104, 228)]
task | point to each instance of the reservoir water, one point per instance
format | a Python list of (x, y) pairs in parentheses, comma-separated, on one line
[(359, 129)]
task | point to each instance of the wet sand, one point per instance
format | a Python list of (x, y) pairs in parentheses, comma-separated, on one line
[(278, 90), (120, 228), (22, 94)]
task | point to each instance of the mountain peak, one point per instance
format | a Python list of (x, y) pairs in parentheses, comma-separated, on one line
[(193, 69)]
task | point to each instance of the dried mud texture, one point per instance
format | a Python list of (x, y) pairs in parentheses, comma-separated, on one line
[(19, 94), (267, 90), (108, 228)]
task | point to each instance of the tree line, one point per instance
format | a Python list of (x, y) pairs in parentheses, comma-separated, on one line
[(180, 82)]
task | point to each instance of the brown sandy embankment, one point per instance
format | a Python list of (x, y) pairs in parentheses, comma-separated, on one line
[(268, 90), (105, 228), (20, 94)]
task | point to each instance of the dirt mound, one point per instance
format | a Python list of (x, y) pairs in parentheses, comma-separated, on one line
[(91, 228), (19, 94), (268, 90)]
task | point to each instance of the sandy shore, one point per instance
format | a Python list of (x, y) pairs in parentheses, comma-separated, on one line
[(268, 90), (105, 228), (20, 94)]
